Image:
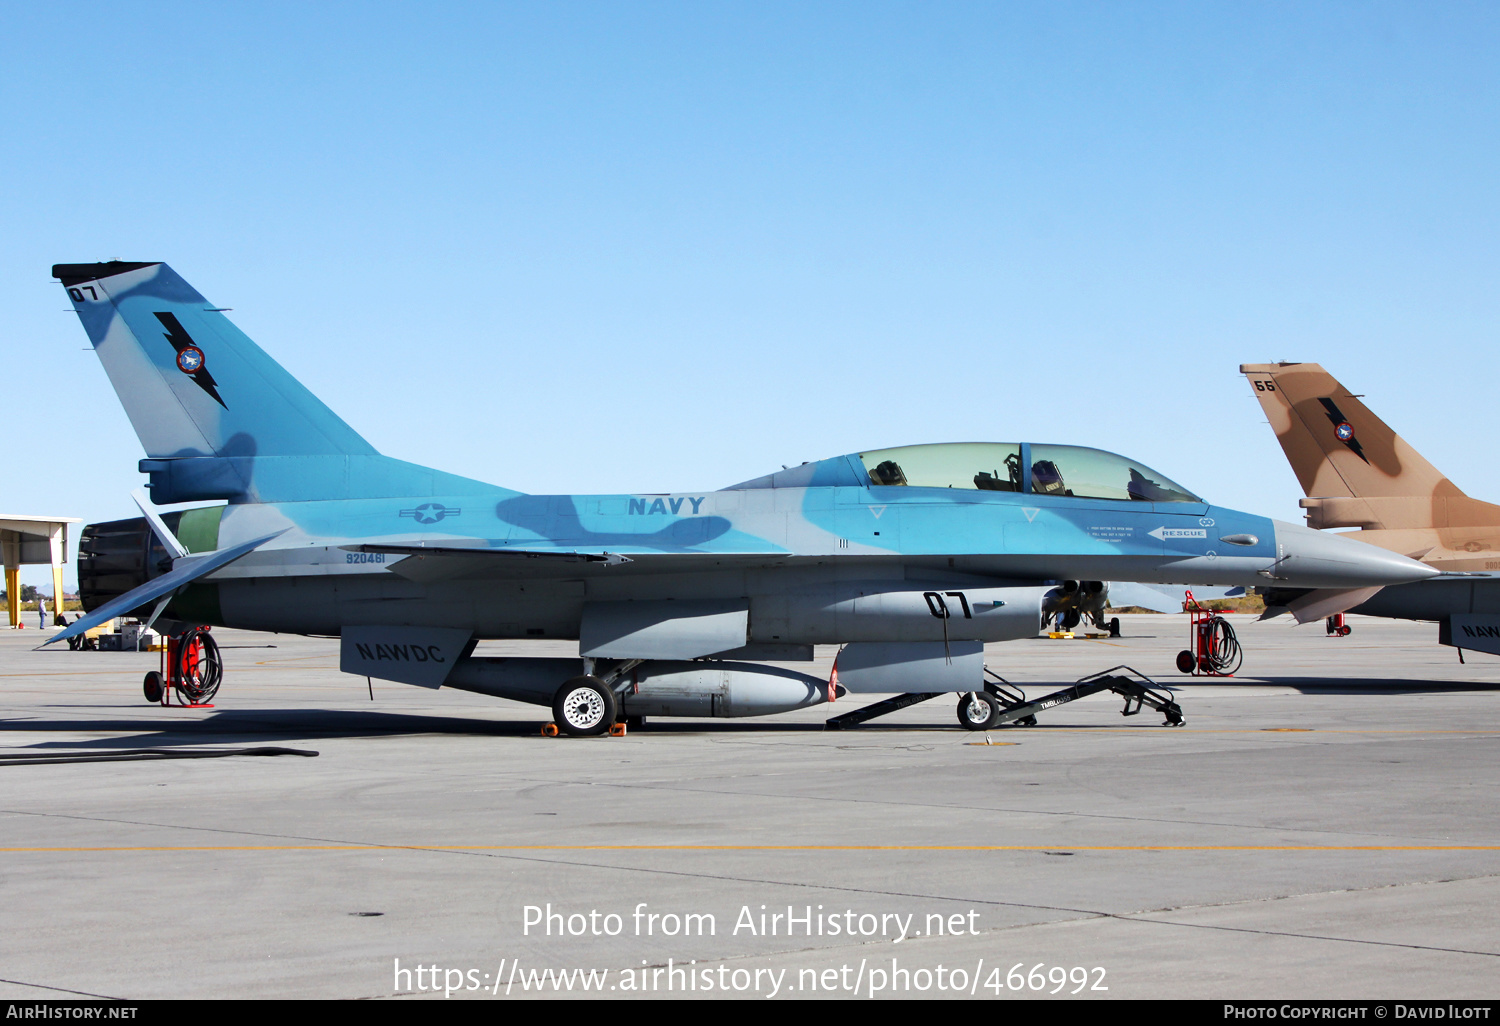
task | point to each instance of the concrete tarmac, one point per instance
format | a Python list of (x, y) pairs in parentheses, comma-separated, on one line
[(1324, 826)]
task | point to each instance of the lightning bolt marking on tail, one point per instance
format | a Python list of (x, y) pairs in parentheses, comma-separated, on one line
[(1336, 417), (180, 339)]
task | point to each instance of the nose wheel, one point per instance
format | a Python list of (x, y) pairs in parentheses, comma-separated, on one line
[(977, 710)]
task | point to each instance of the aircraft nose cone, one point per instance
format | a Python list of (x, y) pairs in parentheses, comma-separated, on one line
[(1317, 559)]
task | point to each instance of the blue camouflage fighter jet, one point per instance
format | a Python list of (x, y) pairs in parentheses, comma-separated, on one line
[(910, 558)]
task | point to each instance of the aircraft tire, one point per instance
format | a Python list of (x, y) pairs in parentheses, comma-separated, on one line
[(584, 707), (152, 686), (1114, 627), (977, 710)]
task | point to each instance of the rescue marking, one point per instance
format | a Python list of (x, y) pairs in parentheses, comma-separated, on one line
[(1163, 533)]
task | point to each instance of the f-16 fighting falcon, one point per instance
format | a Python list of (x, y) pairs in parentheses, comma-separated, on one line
[(911, 558), (1359, 473)]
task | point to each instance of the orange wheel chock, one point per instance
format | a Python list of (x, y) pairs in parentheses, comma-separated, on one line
[(549, 730), (617, 730)]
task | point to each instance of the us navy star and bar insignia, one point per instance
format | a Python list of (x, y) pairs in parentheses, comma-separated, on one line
[(431, 512)]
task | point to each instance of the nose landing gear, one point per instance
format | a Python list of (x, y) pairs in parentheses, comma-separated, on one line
[(977, 710)]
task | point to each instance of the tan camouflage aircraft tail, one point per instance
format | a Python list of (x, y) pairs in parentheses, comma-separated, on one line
[(1357, 472)]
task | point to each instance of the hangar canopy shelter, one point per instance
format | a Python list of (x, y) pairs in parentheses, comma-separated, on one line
[(28, 541)]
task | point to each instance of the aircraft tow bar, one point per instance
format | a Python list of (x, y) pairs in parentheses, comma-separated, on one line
[(1135, 693), (1009, 704)]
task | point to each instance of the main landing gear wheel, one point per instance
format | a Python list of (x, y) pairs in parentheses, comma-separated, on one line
[(153, 687), (584, 707), (977, 710)]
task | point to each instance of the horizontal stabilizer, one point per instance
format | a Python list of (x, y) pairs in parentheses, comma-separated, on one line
[(184, 572)]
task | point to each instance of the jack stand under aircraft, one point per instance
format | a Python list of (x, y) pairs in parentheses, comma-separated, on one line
[(1001, 702)]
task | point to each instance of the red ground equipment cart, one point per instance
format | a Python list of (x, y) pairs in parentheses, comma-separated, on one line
[(191, 666), (1213, 650)]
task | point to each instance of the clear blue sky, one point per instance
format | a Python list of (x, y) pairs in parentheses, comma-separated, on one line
[(649, 246)]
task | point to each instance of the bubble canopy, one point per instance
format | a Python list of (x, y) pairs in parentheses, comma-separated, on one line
[(1035, 469)]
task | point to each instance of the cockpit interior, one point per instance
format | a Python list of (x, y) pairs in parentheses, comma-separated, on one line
[(1021, 467), (1066, 470)]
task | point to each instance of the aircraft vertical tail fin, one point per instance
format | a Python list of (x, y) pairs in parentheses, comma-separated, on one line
[(1348, 461), (191, 382), (218, 418)]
